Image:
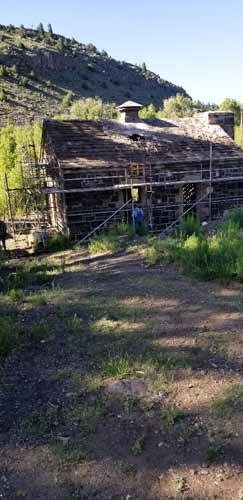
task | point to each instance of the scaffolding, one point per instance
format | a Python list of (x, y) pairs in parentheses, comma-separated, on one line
[(28, 198)]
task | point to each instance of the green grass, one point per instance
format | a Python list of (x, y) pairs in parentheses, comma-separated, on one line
[(138, 446), (69, 453), (204, 257), (225, 405), (172, 416), (54, 243), (30, 274), (74, 324), (104, 325), (38, 299), (105, 243), (214, 453), (189, 226), (87, 414), (116, 366), (14, 295)]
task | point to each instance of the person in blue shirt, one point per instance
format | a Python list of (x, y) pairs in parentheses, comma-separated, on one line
[(138, 216), (3, 234)]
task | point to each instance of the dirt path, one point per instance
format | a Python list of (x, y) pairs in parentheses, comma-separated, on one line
[(127, 385)]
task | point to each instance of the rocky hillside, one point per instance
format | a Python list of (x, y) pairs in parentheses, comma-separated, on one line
[(39, 68)]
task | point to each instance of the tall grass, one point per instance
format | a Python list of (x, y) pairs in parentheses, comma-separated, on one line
[(206, 257), (112, 241), (105, 243), (189, 226), (54, 243)]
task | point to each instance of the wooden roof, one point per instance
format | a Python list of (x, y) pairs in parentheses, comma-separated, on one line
[(112, 143)]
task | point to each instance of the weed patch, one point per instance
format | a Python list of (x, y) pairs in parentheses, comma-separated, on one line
[(69, 453), (117, 366), (87, 414), (214, 453), (105, 243), (172, 416), (212, 257), (38, 299), (74, 324), (225, 405), (138, 446)]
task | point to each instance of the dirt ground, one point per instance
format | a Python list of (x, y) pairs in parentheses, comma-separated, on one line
[(127, 384)]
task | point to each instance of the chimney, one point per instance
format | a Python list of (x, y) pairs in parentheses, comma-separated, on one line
[(129, 111), (225, 119)]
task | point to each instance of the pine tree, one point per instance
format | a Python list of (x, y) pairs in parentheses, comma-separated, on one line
[(49, 29), (144, 68), (67, 99), (40, 29)]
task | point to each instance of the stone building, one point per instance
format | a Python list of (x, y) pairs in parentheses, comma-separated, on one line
[(95, 168)]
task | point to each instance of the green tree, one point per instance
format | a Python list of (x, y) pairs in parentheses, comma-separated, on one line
[(67, 99), (22, 31), (233, 106), (40, 30), (3, 70), (49, 29), (144, 68), (23, 81), (177, 107), (90, 47), (148, 112), (12, 140), (93, 109), (3, 95)]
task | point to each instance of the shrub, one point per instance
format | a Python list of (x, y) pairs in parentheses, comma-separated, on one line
[(3, 70), (15, 295), (239, 268), (190, 225), (60, 45), (20, 45), (93, 109), (39, 332), (159, 251), (38, 299), (67, 99), (14, 69), (3, 95), (213, 257), (124, 229), (56, 243), (23, 81), (236, 215)]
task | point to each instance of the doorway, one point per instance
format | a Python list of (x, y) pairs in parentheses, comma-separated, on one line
[(189, 196)]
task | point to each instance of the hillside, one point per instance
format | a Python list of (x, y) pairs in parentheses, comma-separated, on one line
[(39, 68)]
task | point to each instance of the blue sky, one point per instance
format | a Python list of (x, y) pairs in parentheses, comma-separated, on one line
[(197, 44)]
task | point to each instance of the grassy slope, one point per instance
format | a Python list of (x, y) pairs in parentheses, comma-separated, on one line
[(79, 68), (85, 332)]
